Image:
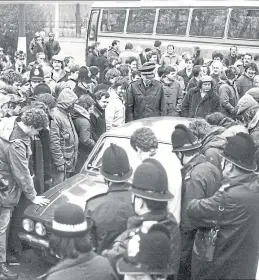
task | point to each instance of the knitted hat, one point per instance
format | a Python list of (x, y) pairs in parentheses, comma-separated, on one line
[(69, 221), (150, 181), (83, 74), (183, 139), (36, 74), (246, 102), (240, 150), (94, 70), (148, 252), (147, 68), (206, 78), (115, 164), (42, 88)]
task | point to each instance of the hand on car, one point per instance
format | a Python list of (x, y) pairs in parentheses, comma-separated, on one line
[(41, 200)]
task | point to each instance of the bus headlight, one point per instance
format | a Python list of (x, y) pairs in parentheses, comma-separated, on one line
[(40, 229), (28, 225)]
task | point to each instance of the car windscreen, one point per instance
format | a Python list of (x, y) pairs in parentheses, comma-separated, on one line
[(94, 163)]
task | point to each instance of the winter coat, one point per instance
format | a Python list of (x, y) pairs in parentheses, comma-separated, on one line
[(98, 123), (167, 60), (63, 77), (102, 63), (134, 223), (186, 78), (236, 249), (143, 102), (173, 98), (35, 48), (110, 213), (81, 120), (88, 266), (52, 48), (194, 105), (115, 110), (254, 92), (229, 60), (192, 84), (198, 60), (201, 179), (218, 81), (14, 164), (244, 83), (213, 145), (91, 56), (228, 98), (64, 149), (86, 88), (113, 52)]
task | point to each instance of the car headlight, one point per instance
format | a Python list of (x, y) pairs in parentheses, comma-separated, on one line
[(28, 225), (40, 229)]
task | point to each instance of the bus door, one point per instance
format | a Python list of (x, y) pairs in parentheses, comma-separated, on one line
[(92, 28)]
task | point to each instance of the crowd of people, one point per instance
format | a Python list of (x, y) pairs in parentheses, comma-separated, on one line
[(53, 112)]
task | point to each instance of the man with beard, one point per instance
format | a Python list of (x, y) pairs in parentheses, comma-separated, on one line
[(202, 100), (226, 243), (145, 97)]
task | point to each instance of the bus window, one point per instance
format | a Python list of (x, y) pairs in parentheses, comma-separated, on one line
[(92, 29), (244, 24), (141, 21), (208, 22), (172, 21), (113, 20)]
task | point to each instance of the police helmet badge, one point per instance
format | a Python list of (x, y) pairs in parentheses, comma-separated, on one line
[(36, 72)]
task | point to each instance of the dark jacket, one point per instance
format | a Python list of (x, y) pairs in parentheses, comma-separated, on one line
[(15, 151), (194, 106), (134, 224), (86, 88), (143, 102), (110, 213), (92, 55), (88, 266), (213, 145), (253, 128), (64, 148), (198, 60), (81, 120), (200, 179), (102, 63), (192, 84), (186, 78), (98, 123), (244, 83), (52, 48), (228, 98), (229, 60), (63, 77), (236, 250), (173, 98), (36, 48)]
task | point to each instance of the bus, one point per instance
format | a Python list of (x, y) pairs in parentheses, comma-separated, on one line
[(211, 25)]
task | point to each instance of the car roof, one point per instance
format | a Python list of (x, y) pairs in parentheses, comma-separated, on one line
[(161, 126)]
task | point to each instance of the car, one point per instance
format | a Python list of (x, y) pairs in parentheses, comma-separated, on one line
[(36, 222)]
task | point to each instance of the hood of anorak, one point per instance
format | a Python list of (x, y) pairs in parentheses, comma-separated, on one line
[(253, 123), (66, 99), (233, 130), (79, 111), (214, 139), (6, 127)]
